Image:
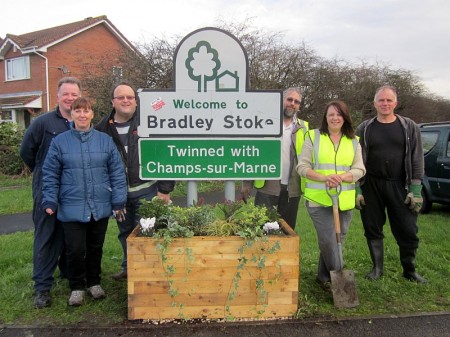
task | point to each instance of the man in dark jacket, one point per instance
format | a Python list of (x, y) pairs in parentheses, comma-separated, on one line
[(393, 156), (48, 237), (122, 125)]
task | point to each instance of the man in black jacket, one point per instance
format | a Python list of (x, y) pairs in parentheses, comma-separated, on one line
[(393, 156), (122, 125), (48, 237)]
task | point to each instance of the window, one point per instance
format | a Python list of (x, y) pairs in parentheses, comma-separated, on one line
[(117, 73), (448, 148), (18, 68), (429, 140), (6, 116)]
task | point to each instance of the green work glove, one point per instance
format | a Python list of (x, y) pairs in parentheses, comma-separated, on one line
[(359, 201), (414, 198)]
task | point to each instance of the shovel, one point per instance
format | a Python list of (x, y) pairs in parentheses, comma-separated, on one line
[(343, 284)]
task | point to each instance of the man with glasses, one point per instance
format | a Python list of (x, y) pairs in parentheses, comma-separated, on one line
[(122, 125), (284, 194)]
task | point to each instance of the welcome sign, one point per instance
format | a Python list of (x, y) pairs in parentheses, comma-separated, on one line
[(226, 130)]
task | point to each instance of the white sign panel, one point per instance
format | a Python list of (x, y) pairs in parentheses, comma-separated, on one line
[(233, 114)]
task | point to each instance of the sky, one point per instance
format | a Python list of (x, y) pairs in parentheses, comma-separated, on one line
[(403, 34)]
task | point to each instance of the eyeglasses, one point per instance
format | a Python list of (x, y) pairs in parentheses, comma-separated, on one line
[(121, 98), (290, 100)]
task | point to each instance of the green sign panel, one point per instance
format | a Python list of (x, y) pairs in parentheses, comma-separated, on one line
[(200, 159)]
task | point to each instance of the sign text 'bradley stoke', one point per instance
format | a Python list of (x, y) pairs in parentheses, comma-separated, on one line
[(189, 121)]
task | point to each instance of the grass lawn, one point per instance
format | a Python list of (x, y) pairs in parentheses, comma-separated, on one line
[(15, 195), (390, 295)]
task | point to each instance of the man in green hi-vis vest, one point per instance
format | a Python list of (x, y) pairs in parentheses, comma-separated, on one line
[(284, 194)]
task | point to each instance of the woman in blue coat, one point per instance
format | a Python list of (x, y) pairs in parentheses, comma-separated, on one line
[(84, 179)]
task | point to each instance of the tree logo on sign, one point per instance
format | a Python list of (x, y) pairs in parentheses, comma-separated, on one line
[(203, 64)]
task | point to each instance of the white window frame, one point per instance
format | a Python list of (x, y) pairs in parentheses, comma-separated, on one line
[(12, 120), (17, 68), (117, 73)]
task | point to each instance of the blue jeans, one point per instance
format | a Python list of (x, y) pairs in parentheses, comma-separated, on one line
[(131, 220)]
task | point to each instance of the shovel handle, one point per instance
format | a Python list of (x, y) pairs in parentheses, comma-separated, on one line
[(335, 201), (337, 222)]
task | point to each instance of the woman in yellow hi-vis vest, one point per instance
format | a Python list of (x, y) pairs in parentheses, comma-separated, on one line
[(331, 156)]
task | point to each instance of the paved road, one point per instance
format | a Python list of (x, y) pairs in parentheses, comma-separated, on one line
[(23, 221), (432, 325)]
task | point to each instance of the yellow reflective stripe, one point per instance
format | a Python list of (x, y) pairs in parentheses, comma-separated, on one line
[(140, 187), (332, 167), (322, 186)]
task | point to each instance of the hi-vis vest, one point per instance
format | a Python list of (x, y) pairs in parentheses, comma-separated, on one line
[(326, 160), (299, 140)]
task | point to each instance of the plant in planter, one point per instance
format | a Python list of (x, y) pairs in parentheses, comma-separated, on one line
[(209, 261)]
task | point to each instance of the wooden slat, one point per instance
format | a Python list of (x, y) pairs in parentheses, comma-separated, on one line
[(202, 285)]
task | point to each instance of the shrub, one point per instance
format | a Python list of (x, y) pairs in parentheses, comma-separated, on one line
[(225, 219), (11, 135)]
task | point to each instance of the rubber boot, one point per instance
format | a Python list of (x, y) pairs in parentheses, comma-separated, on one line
[(376, 249), (408, 260)]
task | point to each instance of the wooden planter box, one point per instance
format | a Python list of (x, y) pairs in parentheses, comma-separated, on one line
[(205, 283)]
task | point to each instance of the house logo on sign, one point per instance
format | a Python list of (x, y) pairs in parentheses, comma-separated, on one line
[(203, 64)]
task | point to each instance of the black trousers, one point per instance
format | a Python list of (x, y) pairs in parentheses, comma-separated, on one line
[(383, 196), (286, 207), (84, 251)]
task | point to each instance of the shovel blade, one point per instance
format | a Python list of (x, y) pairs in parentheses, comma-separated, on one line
[(343, 287)]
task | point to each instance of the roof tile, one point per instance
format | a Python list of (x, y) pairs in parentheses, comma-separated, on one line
[(46, 36)]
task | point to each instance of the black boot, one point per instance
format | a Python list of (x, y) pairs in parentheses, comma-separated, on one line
[(376, 250), (408, 260)]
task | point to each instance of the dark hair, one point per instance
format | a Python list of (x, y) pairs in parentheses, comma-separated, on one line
[(81, 103), (71, 80), (123, 83), (347, 127)]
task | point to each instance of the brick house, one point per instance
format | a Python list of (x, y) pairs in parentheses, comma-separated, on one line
[(31, 64)]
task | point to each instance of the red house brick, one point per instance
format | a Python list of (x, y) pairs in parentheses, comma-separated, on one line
[(31, 64)]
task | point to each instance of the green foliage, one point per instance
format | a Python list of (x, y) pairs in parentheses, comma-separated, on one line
[(157, 209), (195, 218), (11, 135), (220, 227), (225, 219)]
